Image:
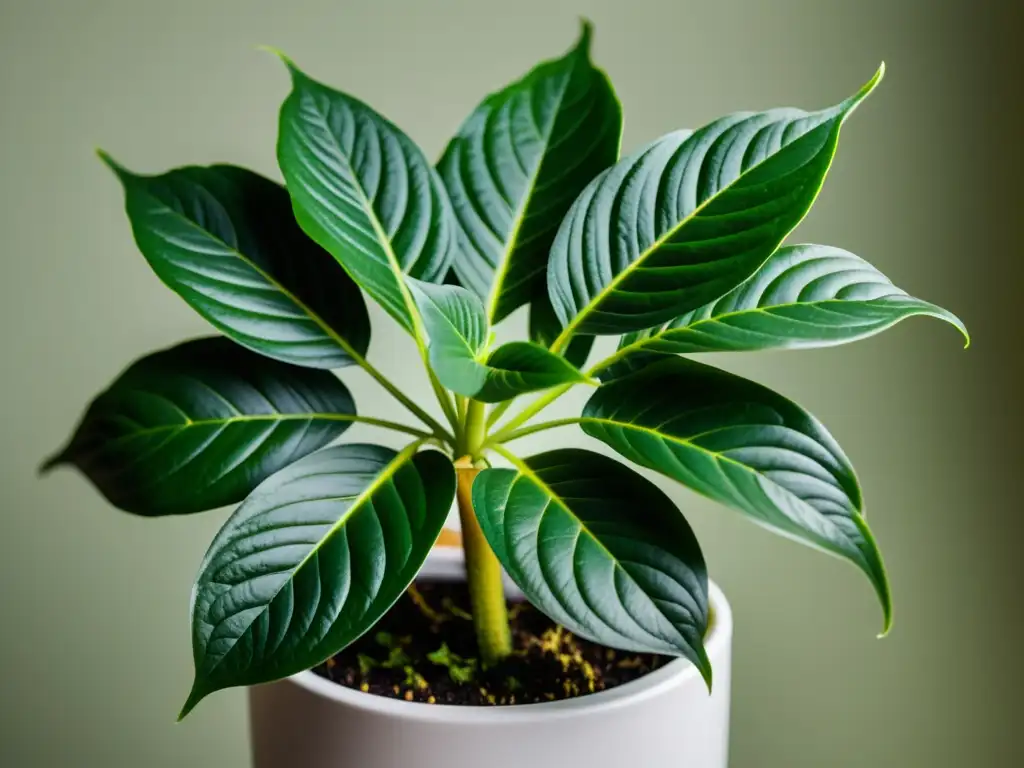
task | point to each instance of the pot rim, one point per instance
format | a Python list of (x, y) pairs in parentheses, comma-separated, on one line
[(447, 560)]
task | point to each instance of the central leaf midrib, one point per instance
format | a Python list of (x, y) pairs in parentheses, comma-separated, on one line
[(242, 419)]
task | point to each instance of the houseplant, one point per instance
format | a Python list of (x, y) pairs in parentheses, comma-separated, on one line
[(677, 248)]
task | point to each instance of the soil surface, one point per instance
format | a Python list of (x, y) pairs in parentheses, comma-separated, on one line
[(424, 650)]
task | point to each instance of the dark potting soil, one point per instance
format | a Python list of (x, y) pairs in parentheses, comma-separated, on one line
[(424, 649)]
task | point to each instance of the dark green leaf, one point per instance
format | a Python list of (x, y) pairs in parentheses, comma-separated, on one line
[(689, 217), (200, 425), (745, 446), (517, 164), (600, 550), (226, 241), (544, 329), (312, 560), (803, 296), (364, 191)]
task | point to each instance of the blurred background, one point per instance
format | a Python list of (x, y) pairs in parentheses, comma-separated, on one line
[(94, 639)]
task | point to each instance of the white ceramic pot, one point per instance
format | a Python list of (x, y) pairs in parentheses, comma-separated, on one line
[(664, 719)]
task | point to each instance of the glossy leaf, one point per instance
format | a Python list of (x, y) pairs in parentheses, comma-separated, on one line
[(226, 241), (458, 332), (519, 367), (364, 191), (600, 550), (743, 445), (544, 329), (312, 560), (517, 164), (689, 217), (200, 425), (803, 296)]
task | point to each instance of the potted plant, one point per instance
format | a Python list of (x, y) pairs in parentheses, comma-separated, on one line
[(676, 248)]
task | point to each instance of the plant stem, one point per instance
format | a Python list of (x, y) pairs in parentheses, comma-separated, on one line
[(384, 424), (442, 397), (498, 412), (483, 571), (535, 407)]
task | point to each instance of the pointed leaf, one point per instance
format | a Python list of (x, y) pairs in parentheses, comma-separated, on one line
[(364, 191), (199, 425), (743, 445), (689, 217), (312, 560), (600, 550), (517, 164), (226, 241), (803, 296)]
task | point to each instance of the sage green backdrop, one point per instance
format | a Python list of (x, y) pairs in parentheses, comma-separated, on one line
[(94, 641)]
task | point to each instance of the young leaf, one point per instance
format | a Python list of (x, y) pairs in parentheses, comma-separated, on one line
[(364, 191), (803, 296), (517, 164), (200, 425), (312, 559), (689, 217), (600, 550), (226, 241), (458, 332), (743, 445)]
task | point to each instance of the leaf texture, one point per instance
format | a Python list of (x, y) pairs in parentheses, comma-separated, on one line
[(225, 240), (364, 191), (515, 167), (745, 446), (689, 217), (600, 550), (200, 425), (312, 560)]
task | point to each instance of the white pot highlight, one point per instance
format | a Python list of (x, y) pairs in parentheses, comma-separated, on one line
[(666, 718)]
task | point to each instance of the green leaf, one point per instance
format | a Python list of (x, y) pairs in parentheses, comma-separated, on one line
[(519, 367), (803, 296), (743, 445), (364, 191), (199, 425), (515, 167), (458, 332), (544, 329), (689, 217), (226, 241), (600, 550), (312, 560), (457, 329)]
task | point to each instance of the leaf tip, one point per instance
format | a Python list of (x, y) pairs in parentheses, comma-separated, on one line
[(194, 697), (111, 163), (586, 35), (294, 70), (52, 463), (854, 101), (703, 664)]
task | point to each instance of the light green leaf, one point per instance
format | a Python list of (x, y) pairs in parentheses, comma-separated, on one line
[(199, 425), (458, 335), (689, 217), (803, 296), (600, 550), (517, 164), (225, 240), (364, 191), (312, 559), (743, 445)]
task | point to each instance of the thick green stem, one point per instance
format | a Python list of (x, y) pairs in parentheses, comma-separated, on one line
[(483, 571)]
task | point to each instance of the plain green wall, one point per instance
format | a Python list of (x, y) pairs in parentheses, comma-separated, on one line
[(94, 642)]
